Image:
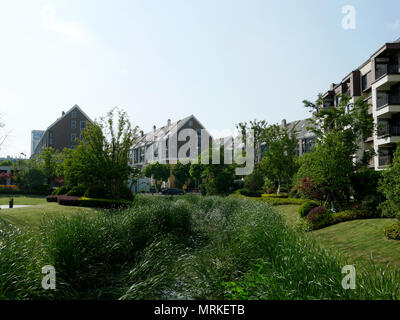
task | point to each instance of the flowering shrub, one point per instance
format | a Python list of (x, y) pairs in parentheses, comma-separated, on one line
[(4, 176)]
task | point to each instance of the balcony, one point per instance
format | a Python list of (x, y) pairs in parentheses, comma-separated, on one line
[(385, 69), (384, 99), (385, 160)]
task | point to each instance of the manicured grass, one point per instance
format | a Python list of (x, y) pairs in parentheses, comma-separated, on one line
[(23, 199), (358, 239), (32, 216), (289, 212), (361, 239)]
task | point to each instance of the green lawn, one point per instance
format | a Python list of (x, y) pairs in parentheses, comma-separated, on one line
[(358, 239), (23, 199), (31, 216)]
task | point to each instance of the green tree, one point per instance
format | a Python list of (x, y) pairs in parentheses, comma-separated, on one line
[(259, 128), (218, 177), (279, 162), (330, 168), (390, 187), (181, 173), (195, 172), (158, 171), (50, 163), (255, 180), (102, 156)]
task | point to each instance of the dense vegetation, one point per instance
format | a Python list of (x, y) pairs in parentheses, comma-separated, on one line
[(185, 247)]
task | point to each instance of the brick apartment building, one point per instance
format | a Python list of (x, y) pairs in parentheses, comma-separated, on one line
[(65, 132), (377, 81)]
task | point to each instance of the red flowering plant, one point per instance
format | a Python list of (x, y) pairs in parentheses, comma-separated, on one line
[(4, 177)]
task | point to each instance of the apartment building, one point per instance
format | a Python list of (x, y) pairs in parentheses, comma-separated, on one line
[(377, 81), (65, 132), (162, 144)]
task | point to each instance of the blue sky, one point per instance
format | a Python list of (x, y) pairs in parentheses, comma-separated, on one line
[(223, 61)]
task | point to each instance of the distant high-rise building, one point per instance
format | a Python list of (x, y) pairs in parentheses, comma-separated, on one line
[(36, 135)]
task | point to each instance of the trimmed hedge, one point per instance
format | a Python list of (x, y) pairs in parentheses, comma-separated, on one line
[(104, 203), (273, 201), (392, 232), (248, 193), (51, 198), (91, 203), (318, 217), (276, 196), (306, 207)]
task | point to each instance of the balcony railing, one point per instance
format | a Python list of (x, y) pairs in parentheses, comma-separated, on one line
[(383, 69), (384, 99), (386, 130), (385, 160)]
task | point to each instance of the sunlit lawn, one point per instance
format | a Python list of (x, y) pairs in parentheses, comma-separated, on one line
[(31, 216), (358, 239)]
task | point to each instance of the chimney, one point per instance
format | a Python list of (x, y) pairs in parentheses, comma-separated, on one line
[(333, 86), (283, 125), (141, 133), (63, 114), (169, 123), (154, 128)]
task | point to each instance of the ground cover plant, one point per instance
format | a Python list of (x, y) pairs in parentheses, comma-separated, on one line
[(184, 247)]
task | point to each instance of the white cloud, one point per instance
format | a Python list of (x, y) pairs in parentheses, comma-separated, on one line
[(72, 30), (395, 25)]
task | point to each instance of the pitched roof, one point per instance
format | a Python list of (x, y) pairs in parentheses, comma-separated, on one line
[(66, 113), (163, 132)]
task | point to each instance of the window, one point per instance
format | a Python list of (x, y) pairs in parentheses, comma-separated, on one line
[(73, 137), (364, 82), (73, 124), (191, 123), (50, 138), (83, 125), (74, 115)]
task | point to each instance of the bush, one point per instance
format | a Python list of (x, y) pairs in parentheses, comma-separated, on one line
[(393, 232), (68, 201), (254, 181), (103, 203), (61, 191), (97, 192), (76, 191), (51, 198), (238, 184), (249, 193), (126, 193), (305, 208), (318, 217), (203, 189), (276, 196), (43, 190)]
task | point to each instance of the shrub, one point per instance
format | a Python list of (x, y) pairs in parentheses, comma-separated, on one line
[(61, 191), (126, 193), (254, 181), (276, 196), (76, 191), (393, 231), (44, 190), (249, 193), (97, 192), (68, 201), (305, 208), (318, 217), (103, 203), (238, 184), (51, 198)]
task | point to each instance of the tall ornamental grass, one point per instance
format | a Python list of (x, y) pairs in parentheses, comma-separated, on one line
[(188, 247)]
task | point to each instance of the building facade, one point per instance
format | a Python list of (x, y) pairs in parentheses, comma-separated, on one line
[(164, 144), (65, 132), (377, 81)]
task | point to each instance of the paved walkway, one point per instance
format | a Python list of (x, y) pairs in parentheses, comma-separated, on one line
[(5, 206)]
